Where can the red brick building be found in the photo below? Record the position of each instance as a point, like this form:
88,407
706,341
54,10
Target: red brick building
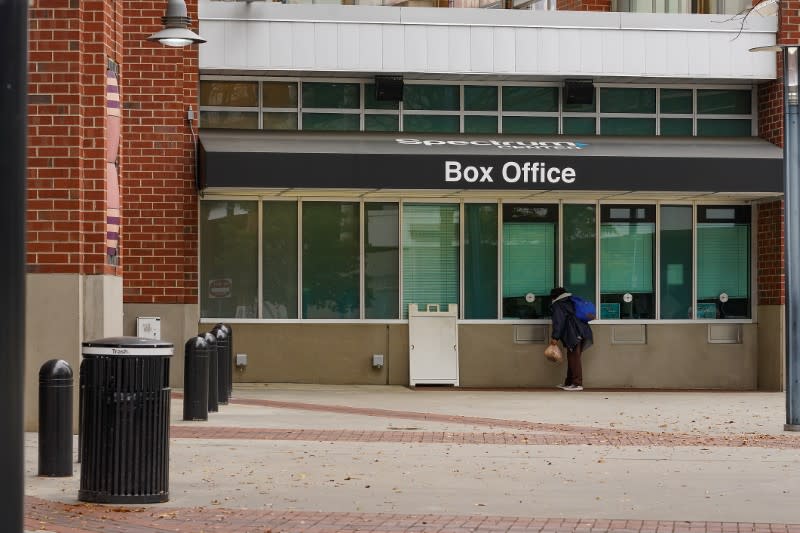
78,291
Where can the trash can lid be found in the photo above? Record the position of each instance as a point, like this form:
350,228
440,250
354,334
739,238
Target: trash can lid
127,346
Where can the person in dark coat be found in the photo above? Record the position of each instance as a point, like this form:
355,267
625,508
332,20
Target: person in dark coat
574,334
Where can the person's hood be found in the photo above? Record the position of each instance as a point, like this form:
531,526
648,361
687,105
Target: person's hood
562,296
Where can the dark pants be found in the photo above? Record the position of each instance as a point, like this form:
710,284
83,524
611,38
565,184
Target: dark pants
574,369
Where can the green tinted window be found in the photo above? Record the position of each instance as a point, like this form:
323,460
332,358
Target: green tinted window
724,128
627,246
280,121
229,119
279,94
634,100
229,93
279,262
529,259
431,123
530,98
330,122
676,127
331,260
381,123
434,97
430,255
370,102
331,95
480,261
723,262
579,249
577,108
228,259
578,125
381,260
676,261
480,124
480,98
627,126
533,125
676,101
724,102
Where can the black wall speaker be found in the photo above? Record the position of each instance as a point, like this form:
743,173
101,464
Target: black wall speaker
389,88
578,91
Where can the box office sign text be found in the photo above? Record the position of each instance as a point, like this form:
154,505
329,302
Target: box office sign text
528,172
511,172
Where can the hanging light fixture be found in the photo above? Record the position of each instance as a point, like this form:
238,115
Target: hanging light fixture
176,30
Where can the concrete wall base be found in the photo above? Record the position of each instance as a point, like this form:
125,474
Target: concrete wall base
61,311
771,348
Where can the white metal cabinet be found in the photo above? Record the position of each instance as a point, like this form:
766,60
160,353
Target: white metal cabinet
433,345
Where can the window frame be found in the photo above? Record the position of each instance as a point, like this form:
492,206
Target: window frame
560,114
485,198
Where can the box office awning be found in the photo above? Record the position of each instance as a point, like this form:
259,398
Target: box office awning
229,159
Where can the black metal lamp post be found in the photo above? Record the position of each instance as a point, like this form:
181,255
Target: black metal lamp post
13,98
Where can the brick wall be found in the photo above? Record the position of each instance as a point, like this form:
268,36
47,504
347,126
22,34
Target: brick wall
69,44
770,127
770,253
159,200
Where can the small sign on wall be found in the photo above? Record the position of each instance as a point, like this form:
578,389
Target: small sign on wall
148,327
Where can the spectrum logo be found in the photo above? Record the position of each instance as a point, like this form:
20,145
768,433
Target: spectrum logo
502,145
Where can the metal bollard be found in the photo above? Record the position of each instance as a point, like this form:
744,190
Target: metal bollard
223,364
213,390
229,330
55,419
195,379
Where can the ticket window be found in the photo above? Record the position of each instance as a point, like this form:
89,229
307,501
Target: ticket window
627,259
530,234
723,262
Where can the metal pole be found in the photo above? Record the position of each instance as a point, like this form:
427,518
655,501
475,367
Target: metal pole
13,98
791,217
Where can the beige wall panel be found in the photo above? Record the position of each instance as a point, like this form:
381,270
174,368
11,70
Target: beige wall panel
102,307
178,324
315,353
53,329
488,357
398,348
771,348
675,356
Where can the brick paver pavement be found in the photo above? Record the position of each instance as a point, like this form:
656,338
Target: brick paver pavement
59,517
65,518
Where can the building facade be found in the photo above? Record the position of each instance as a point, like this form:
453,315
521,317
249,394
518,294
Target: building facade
314,172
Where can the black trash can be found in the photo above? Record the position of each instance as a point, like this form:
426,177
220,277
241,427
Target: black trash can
195,379
124,446
55,419
223,364
213,370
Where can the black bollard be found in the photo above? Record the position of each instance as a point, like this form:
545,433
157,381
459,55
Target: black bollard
223,365
195,379
229,331
55,419
213,392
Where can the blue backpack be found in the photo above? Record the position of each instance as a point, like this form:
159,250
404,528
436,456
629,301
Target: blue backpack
584,309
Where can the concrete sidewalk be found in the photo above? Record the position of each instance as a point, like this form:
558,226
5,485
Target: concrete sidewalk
517,460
